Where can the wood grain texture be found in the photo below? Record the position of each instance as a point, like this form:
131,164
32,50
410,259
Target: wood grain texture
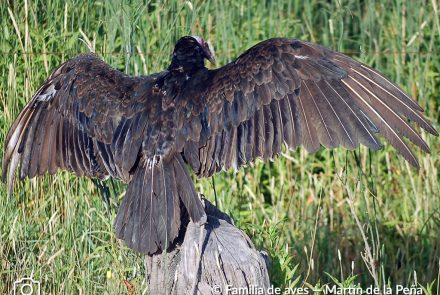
228,257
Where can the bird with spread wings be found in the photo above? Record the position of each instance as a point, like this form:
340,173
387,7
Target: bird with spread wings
95,121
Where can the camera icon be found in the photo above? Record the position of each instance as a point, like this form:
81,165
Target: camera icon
26,286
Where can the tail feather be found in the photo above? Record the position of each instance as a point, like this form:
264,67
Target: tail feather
187,192
150,216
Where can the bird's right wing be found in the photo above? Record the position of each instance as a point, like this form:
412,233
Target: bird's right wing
87,118
284,91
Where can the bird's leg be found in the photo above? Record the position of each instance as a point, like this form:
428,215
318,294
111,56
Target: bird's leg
104,192
215,192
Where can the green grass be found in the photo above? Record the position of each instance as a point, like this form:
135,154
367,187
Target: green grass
58,230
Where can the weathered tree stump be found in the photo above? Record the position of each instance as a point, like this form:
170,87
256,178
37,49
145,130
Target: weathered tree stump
214,258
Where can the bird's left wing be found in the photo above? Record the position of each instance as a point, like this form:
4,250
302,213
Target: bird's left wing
298,93
87,118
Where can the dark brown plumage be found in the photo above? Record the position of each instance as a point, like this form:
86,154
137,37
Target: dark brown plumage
96,121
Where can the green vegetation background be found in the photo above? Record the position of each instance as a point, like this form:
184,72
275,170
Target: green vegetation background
58,230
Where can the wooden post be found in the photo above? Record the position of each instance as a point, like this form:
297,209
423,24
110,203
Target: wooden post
214,258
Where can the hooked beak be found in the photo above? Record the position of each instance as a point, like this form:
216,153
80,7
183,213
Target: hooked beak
211,59
209,54
207,49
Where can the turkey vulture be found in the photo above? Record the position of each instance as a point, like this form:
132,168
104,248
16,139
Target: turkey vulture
95,121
